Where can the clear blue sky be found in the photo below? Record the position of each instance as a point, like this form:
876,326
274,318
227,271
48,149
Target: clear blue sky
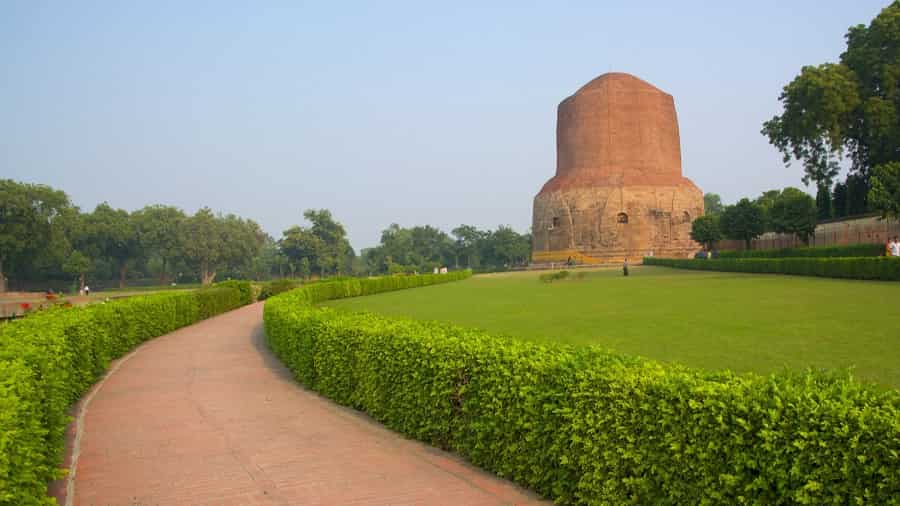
380,111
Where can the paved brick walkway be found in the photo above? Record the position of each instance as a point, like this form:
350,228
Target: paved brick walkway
206,415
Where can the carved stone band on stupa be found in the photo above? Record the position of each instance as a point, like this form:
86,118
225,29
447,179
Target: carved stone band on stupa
618,190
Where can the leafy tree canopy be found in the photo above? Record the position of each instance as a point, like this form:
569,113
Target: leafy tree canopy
824,205
706,231
29,225
743,221
115,237
885,193
298,245
712,204
765,202
794,212
336,254
422,248
160,231
850,108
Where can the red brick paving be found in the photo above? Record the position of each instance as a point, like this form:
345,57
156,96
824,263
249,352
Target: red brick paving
206,415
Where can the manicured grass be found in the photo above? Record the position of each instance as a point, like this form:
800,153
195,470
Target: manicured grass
743,322
152,288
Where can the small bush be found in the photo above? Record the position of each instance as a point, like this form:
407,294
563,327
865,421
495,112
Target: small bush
878,268
277,286
853,250
50,358
587,426
550,277
244,287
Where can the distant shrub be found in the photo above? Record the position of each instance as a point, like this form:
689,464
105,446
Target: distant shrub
550,277
277,286
50,358
853,250
878,268
242,286
587,426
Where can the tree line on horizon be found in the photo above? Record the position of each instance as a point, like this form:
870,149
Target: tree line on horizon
787,211
424,248
45,238
322,250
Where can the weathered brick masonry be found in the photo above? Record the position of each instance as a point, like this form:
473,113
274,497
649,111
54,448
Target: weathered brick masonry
618,189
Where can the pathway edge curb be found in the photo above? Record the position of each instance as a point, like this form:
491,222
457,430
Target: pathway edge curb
79,425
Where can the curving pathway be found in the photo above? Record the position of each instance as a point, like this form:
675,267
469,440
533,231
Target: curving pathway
206,415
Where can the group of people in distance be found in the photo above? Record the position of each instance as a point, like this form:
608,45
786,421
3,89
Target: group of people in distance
892,248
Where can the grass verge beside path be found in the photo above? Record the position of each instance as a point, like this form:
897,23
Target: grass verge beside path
711,320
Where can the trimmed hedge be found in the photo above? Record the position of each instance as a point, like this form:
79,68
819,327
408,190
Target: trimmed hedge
48,360
880,268
245,287
853,250
587,426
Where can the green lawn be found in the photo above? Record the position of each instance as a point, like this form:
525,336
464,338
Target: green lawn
743,322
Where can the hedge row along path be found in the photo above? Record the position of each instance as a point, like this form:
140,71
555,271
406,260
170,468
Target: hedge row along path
206,415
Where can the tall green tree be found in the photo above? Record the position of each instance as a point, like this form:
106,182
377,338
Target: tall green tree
706,231
336,253
466,247
204,243
82,249
712,204
794,212
824,207
79,265
301,246
269,261
221,243
857,194
839,199
765,202
160,231
29,219
393,252
431,247
241,242
509,247
743,221
304,268
850,108
115,236
885,193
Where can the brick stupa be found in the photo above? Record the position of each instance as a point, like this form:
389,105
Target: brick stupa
618,190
